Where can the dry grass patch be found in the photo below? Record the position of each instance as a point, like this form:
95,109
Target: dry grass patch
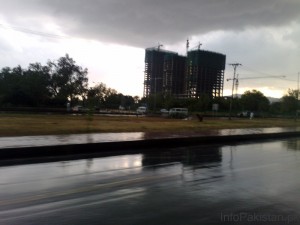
32,124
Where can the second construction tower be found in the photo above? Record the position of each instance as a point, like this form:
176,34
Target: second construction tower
199,73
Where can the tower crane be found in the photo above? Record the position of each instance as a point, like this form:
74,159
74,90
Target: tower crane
159,46
198,46
156,47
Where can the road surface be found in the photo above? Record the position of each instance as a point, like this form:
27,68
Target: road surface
252,183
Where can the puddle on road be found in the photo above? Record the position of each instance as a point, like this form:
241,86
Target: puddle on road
48,140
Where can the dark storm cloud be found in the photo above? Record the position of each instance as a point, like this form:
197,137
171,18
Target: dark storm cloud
144,22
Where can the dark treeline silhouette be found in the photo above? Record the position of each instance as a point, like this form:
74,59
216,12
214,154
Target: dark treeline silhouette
62,81
56,84
101,96
53,84
249,101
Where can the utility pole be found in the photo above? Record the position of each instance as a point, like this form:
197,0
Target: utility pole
297,96
298,87
235,65
236,85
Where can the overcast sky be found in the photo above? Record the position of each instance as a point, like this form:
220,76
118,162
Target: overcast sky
109,37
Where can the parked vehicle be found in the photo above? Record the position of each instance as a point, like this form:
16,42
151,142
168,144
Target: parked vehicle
79,108
141,110
164,111
244,114
178,112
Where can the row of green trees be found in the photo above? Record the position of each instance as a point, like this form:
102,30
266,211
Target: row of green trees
62,81
255,101
252,100
41,85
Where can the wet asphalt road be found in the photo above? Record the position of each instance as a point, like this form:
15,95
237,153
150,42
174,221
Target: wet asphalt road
253,183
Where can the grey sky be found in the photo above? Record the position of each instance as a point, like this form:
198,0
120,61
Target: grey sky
262,34
143,22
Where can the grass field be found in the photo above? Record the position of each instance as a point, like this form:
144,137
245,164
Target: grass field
37,124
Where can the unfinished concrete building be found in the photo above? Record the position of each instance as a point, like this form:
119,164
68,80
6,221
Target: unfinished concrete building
157,61
205,74
173,77
200,73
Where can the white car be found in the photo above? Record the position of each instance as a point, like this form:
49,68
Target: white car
164,111
178,112
141,110
77,108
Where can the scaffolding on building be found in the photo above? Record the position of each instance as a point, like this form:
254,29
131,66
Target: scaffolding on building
173,77
154,70
199,73
205,74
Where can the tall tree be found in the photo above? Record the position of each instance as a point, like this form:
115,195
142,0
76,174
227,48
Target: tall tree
255,101
289,102
68,80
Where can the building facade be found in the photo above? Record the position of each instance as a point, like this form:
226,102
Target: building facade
174,75
205,74
198,73
154,70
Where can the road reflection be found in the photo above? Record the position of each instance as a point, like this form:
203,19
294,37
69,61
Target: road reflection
292,144
192,156
186,185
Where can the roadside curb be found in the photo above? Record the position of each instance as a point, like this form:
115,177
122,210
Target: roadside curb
77,150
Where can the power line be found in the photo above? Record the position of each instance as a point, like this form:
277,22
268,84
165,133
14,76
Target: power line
262,73
280,77
265,77
277,76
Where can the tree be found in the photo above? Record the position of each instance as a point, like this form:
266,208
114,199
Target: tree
200,104
293,93
12,90
127,101
254,101
68,80
223,103
96,95
36,81
57,82
136,99
113,101
24,87
289,102
276,107
100,94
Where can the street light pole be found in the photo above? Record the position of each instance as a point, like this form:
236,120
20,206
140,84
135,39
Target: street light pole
297,96
154,108
298,87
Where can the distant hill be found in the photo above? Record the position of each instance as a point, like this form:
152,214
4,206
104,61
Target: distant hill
271,99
